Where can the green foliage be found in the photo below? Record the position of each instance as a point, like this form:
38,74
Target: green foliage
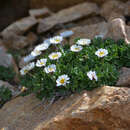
76,65
5,95
6,74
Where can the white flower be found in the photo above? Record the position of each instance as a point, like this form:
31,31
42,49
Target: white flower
24,70
47,41
84,42
31,65
101,52
56,40
39,48
27,68
92,75
50,68
36,52
42,47
76,48
55,55
41,62
62,80
28,58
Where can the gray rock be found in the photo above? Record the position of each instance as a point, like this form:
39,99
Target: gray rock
117,30
10,87
113,9
20,26
124,78
18,42
6,59
127,8
39,13
89,31
68,15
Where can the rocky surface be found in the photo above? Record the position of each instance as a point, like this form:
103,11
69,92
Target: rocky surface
68,15
39,13
10,87
11,11
6,59
124,79
61,4
127,8
15,41
54,5
117,30
20,26
105,108
89,31
112,9
128,32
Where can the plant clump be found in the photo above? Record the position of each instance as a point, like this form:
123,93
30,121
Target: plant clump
85,65
5,95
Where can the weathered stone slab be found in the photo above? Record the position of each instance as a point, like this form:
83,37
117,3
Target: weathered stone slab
9,86
18,42
68,15
124,78
89,31
113,9
105,108
117,29
20,27
6,59
127,8
39,13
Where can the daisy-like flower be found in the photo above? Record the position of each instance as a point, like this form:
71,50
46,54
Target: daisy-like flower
47,41
55,55
84,42
51,68
31,65
92,75
28,58
101,52
76,48
42,47
24,70
36,52
41,62
56,40
62,80
27,68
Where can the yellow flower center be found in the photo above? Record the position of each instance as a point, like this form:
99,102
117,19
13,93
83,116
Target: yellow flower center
54,56
37,52
50,69
62,81
25,71
83,43
76,48
101,53
42,63
57,40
